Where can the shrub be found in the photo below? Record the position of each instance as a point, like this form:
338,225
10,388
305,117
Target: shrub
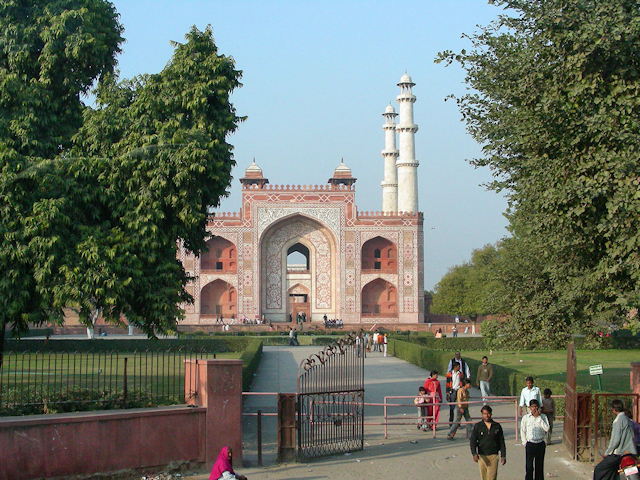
448,344
207,344
505,382
250,361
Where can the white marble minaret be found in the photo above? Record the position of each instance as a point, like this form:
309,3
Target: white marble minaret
390,154
407,163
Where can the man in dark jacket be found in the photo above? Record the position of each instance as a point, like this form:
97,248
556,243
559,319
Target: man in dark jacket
487,445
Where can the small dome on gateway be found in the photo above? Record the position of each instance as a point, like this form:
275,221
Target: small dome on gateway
342,170
389,109
253,170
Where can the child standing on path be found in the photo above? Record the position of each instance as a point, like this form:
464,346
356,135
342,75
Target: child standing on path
549,409
421,402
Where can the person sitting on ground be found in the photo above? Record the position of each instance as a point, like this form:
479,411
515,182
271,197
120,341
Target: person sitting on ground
222,469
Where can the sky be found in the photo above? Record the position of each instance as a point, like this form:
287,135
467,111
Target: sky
317,76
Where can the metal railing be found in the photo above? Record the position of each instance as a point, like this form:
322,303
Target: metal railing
604,417
55,382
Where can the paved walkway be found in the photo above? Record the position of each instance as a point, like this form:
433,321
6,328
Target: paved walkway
406,452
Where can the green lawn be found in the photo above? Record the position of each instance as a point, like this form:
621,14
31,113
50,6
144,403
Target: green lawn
552,365
157,372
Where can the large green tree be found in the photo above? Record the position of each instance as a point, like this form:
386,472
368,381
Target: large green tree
51,53
555,103
95,223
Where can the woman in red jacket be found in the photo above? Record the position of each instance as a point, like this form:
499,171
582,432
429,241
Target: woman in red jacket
434,392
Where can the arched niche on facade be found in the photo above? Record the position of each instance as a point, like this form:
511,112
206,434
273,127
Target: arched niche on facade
298,257
295,234
379,299
221,256
298,301
379,255
219,298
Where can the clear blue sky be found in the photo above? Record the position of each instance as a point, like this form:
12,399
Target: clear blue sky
317,77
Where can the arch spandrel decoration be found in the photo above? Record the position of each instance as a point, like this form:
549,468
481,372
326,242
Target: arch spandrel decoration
230,278
321,249
299,289
389,277
328,216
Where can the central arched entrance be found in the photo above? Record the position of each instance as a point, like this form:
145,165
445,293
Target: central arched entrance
298,254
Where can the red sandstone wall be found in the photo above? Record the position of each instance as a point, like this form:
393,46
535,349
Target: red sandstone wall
90,442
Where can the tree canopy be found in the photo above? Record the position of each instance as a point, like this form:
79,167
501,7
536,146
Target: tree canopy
554,101
469,289
95,202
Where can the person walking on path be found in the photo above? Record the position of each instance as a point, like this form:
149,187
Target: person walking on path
462,410
533,431
375,341
549,409
291,343
483,380
434,392
529,393
622,441
452,385
464,366
487,445
385,342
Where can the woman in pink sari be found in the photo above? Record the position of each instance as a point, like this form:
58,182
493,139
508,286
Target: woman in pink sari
434,392
222,469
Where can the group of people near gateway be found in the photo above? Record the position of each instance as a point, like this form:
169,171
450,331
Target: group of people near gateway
486,438
367,342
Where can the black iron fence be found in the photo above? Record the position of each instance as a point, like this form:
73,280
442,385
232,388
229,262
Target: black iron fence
55,382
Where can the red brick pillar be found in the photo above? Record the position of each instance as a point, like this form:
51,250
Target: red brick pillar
635,377
217,386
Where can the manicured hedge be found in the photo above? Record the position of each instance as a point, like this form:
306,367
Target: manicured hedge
505,382
209,345
623,342
250,361
34,332
449,344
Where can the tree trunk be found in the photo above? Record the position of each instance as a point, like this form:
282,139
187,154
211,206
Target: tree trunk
2,345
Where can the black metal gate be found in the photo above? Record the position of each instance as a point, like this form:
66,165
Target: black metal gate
331,400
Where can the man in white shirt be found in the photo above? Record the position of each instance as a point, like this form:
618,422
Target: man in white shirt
529,393
533,431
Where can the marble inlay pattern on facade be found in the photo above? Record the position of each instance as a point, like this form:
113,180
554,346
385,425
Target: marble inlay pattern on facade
329,216
392,278
274,268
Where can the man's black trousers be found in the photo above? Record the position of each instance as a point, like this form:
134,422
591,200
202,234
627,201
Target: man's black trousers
535,460
607,469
